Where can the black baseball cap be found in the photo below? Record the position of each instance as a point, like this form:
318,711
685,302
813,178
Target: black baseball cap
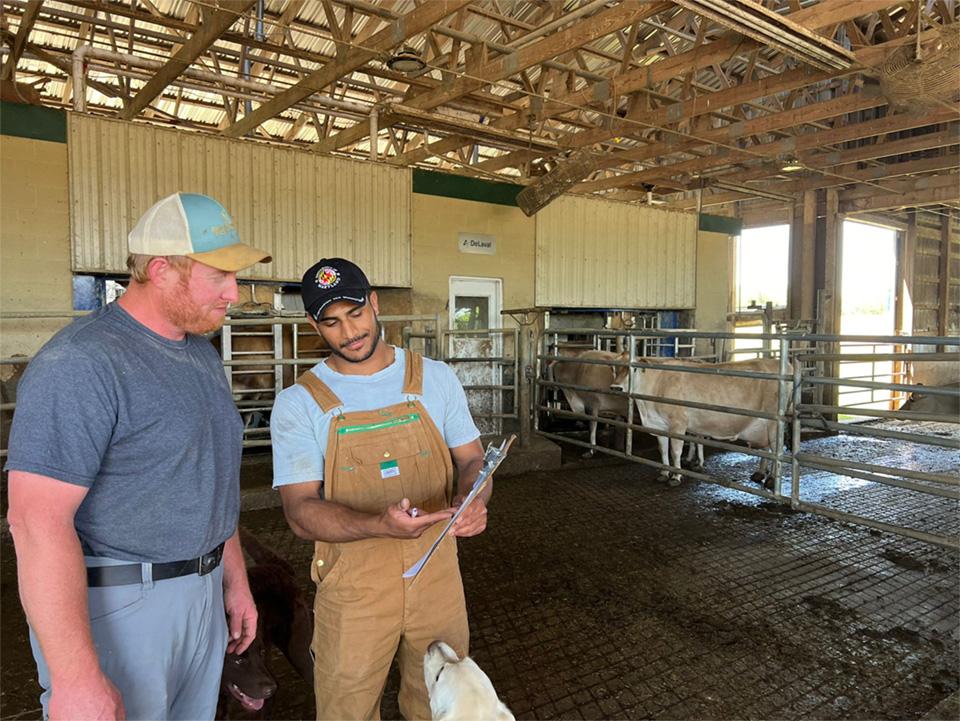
332,279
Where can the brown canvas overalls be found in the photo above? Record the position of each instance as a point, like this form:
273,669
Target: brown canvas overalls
364,610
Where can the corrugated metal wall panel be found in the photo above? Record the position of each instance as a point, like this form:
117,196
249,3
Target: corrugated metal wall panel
297,205
599,254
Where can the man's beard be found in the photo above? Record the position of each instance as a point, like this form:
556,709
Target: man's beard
187,315
376,341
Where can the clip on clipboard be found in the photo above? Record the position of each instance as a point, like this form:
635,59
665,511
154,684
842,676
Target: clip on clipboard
491,459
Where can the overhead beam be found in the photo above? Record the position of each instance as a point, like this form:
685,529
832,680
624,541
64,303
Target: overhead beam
729,133
215,23
595,27
63,64
689,109
727,156
823,15
20,41
876,173
413,23
911,193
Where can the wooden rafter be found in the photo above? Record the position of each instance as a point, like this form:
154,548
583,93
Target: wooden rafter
215,23
823,15
413,23
20,41
602,24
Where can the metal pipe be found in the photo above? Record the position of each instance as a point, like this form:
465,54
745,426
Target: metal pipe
655,464
900,415
797,437
88,51
881,433
781,412
181,83
878,471
948,541
544,29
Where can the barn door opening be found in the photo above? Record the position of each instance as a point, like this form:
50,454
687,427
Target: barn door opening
473,351
867,307
762,269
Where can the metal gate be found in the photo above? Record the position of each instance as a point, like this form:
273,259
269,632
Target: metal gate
486,362
813,364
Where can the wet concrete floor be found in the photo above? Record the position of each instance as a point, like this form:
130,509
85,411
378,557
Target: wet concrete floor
599,593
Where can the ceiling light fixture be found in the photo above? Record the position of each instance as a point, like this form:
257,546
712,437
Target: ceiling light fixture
791,165
406,60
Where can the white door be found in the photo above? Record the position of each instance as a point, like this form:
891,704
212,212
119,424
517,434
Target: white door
474,308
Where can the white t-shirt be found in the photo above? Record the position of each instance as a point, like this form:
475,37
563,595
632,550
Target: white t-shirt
298,426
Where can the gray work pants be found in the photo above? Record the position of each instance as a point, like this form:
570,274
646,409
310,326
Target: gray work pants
160,643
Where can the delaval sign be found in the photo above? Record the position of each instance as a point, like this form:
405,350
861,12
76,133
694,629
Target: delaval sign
475,243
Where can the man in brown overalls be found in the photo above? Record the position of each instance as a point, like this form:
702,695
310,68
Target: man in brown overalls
362,448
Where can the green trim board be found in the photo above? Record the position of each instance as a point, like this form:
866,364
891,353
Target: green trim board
42,123
448,185
720,224
33,121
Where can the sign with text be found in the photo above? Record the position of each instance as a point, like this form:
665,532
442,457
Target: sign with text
476,243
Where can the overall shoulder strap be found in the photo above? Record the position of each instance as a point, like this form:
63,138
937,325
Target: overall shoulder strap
413,374
325,398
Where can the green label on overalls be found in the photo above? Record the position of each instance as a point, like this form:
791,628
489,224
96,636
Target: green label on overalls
389,469
398,421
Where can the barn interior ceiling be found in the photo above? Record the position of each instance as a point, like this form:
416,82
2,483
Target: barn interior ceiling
682,103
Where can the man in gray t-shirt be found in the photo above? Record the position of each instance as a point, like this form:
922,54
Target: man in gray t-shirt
123,487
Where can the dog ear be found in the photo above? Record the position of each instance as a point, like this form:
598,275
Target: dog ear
503,713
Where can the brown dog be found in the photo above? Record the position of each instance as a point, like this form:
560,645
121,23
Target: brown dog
285,622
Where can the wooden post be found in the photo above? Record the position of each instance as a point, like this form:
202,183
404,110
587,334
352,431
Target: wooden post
833,250
943,294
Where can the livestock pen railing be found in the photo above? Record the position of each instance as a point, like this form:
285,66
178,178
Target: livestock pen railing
487,364
798,471
263,354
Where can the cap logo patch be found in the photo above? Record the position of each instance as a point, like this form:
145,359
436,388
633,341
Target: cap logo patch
327,277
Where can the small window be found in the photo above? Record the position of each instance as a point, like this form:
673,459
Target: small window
471,313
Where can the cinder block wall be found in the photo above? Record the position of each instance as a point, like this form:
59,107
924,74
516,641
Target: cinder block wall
34,241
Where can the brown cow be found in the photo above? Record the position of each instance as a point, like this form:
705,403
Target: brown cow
568,371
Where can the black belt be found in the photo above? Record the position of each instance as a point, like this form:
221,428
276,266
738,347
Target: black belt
132,572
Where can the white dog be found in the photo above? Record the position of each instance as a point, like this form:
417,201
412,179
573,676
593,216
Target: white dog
459,690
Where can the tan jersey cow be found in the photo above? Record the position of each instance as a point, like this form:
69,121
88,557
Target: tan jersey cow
600,377
727,391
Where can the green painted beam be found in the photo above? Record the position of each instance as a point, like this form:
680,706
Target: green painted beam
720,224
33,121
429,182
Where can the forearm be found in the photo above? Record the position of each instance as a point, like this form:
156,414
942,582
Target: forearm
318,520
53,592
467,475
234,567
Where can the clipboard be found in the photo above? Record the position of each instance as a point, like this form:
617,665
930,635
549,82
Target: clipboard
492,458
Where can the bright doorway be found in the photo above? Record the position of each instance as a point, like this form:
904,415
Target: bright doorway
867,307
762,270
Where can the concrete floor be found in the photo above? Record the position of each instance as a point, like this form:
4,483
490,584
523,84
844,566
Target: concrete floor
598,592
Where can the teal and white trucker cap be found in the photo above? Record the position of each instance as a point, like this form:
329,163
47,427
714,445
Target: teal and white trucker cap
196,226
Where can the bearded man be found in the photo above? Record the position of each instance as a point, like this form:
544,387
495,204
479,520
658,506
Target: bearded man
124,490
